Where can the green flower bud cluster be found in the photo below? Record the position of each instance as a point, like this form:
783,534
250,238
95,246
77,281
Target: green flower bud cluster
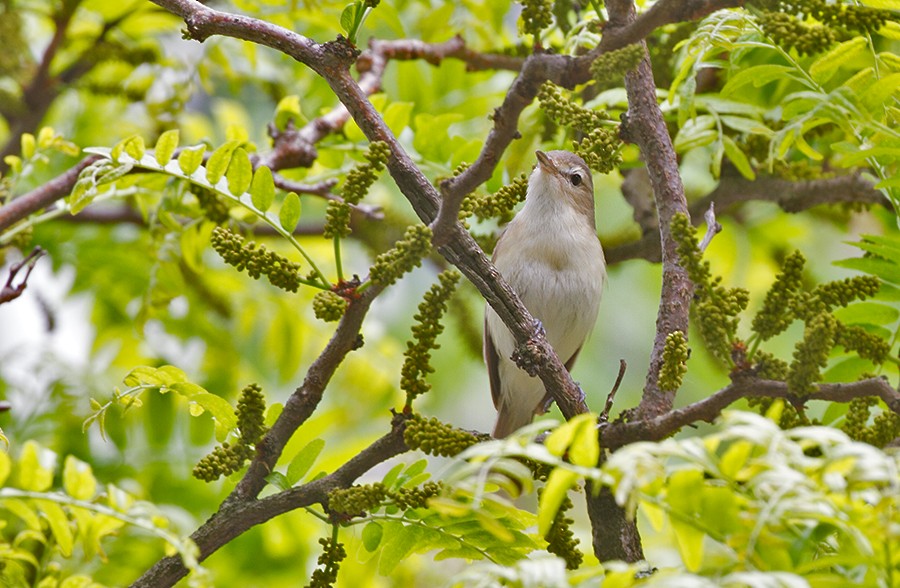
811,354
885,428
856,421
251,409
282,272
769,367
843,292
565,112
405,255
600,149
609,68
213,208
865,344
333,553
226,458
417,357
674,361
409,498
715,307
360,499
357,500
776,313
497,205
329,306
600,143
356,186
834,14
789,32
536,16
436,438
561,541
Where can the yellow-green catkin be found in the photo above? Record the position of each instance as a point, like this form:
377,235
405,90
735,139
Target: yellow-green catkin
674,362
599,144
417,358
609,69
329,306
497,205
228,458
436,438
777,311
811,354
404,256
536,16
333,553
281,272
561,541
356,186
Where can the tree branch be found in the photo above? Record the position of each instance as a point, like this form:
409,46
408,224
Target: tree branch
659,427
235,518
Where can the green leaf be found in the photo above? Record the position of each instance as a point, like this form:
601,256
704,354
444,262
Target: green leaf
132,146
278,480
371,536
220,409
289,110
397,546
759,75
349,17
824,68
35,467
884,269
289,214
304,460
873,313
397,115
166,146
190,158
59,525
558,485
78,479
262,189
240,172
5,467
585,448
218,162
738,158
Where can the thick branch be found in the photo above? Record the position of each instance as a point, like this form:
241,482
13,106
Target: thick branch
304,400
659,427
235,518
43,196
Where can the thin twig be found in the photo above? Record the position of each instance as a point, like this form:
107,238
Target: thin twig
10,291
604,416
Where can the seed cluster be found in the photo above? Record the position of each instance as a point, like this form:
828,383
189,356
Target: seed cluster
235,251
417,357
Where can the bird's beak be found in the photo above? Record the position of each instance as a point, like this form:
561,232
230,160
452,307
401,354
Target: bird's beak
545,162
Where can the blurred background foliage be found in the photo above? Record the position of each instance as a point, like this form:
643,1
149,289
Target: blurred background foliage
112,296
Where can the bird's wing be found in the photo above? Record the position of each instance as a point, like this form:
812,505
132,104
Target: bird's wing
492,361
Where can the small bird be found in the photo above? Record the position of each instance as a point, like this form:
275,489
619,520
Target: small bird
551,256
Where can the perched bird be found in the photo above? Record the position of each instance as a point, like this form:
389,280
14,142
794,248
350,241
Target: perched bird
551,256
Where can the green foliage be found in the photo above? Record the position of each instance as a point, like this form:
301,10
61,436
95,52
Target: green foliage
58,521
740,500
417,357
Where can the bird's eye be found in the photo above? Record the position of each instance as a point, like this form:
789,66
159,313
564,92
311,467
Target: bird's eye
575,179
